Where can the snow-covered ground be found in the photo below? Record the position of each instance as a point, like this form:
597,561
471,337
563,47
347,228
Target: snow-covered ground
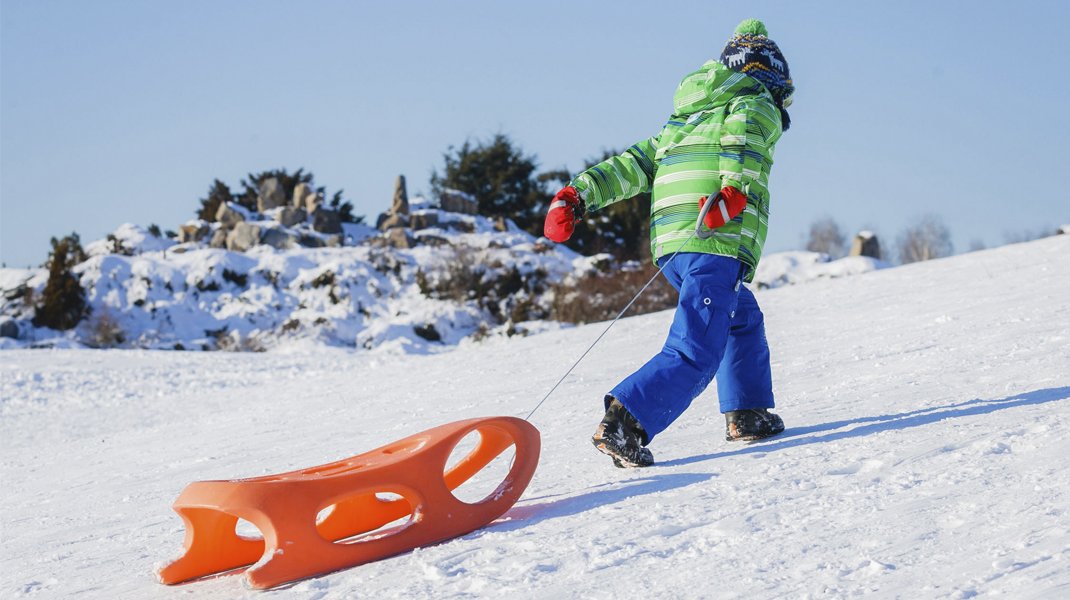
928,409
799,266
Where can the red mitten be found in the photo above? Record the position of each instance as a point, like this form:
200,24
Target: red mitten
561,218
730,202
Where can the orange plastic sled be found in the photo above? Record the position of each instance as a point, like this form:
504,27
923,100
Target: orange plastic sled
368,491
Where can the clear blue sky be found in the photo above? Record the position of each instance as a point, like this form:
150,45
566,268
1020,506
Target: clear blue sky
126,111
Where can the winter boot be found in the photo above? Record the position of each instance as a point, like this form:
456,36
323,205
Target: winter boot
622,437
751,424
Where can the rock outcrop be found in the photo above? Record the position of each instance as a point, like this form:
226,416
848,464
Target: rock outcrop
458,202
398,215
219,239
279,239
326,221
306,198
243,237
271,195
290,216
229,215
424,220
193,232
866,244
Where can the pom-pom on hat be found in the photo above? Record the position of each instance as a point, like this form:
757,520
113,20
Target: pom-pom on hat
750,51
751,27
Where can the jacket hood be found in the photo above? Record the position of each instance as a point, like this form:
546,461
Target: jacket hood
714,85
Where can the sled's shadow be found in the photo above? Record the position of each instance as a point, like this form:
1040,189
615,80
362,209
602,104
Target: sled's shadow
519,517
801,436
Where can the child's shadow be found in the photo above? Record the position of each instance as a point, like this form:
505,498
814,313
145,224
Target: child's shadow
800,436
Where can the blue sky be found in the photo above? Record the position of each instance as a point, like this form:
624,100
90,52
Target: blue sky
115,112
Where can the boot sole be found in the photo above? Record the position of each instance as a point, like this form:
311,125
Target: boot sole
618,460
752,438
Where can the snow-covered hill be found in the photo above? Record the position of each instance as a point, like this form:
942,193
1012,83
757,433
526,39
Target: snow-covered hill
928,409
789,268
465,277
155,294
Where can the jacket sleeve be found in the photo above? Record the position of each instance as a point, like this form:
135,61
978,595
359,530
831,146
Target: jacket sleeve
748,136
619,177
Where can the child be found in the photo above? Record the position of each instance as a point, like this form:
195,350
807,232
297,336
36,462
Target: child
728,115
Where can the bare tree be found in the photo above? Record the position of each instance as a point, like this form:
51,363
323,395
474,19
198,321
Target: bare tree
1017,237
927,239
825,236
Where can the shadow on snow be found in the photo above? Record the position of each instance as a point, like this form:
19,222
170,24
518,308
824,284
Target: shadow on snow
530,514
801,436
610,493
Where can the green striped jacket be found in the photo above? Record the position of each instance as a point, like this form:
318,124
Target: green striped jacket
722,133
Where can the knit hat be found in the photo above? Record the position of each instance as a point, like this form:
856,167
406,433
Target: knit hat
750,51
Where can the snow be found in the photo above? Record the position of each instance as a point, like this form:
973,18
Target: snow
130,239
148,292
927,408
160,295
11,278
790,268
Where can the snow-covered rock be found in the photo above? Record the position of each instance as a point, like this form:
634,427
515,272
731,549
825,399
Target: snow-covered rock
272,195
456,201
128,239
865,243
459,279
230,214
288,216
243,237
305,198
417,291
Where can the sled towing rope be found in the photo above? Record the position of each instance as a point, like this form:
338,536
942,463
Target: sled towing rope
701,232
331,517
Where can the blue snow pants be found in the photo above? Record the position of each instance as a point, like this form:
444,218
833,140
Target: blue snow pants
718,330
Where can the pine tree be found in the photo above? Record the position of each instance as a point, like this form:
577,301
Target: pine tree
63,303
218,194
344,208
498,175
621,229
